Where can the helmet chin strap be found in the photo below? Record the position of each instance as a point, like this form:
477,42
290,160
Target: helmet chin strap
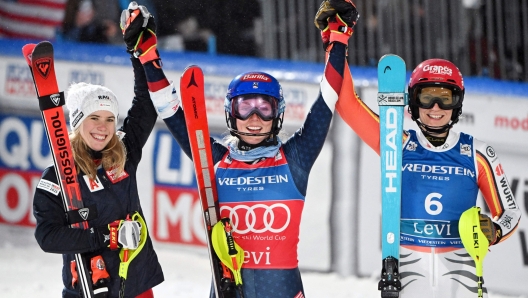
241,133
246,146
434,129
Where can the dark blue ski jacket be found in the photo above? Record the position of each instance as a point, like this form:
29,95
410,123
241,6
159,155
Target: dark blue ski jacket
113,202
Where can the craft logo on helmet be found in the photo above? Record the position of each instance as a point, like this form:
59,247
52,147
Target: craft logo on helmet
437,69
256,77
258,218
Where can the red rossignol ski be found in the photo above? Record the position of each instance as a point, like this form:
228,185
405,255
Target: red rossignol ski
193,101
41,63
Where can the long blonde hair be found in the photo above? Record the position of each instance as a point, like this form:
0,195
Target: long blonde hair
114,155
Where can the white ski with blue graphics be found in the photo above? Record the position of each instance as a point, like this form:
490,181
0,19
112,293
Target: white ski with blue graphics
391,101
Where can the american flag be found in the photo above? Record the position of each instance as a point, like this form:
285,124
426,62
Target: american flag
33,19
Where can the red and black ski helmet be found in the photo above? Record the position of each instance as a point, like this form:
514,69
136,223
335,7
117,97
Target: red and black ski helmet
436,73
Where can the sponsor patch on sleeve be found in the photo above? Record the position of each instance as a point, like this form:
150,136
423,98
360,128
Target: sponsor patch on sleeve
49,186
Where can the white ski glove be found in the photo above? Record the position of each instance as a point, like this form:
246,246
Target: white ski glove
165,101
123,234
129,233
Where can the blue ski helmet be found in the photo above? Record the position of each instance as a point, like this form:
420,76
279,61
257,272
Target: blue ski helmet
254,83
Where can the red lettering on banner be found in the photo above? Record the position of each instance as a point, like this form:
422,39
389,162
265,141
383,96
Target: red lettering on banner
178,216
16,196
511,122
20,88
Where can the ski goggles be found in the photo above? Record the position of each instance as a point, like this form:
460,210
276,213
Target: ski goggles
248,104
446,98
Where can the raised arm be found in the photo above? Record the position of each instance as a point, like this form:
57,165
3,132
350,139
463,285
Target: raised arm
139,34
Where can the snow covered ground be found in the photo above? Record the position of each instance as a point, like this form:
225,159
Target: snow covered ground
26,271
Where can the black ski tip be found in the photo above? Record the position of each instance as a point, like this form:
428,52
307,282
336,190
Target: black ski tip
43,48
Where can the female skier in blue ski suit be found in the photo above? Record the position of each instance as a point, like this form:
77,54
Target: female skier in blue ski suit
442,173
262,178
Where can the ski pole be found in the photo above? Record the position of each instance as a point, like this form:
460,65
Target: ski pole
128,255
231,255
474,241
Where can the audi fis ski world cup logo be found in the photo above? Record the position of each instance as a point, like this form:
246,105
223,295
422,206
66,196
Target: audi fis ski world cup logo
259,218
43,66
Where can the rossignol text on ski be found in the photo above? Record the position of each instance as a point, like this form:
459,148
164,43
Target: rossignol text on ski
40,59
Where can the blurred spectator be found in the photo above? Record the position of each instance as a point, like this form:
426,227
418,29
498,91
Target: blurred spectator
31,19
181,26
230,22
92,21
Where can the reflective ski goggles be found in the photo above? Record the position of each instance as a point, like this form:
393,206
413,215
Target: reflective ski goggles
446,98
248,104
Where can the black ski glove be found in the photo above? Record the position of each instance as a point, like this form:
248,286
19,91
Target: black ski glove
491,230
139,32
336,20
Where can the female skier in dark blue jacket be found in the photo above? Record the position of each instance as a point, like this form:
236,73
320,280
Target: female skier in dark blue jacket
261,177
107,161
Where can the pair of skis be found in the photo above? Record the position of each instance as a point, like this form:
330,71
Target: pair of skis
225,255
41,63
40,60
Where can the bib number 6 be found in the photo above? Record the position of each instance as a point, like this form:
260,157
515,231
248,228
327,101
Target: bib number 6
432,203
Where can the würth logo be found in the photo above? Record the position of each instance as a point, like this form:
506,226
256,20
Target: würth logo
43,66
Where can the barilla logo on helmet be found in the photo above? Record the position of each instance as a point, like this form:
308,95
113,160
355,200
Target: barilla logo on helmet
256,77
437,69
